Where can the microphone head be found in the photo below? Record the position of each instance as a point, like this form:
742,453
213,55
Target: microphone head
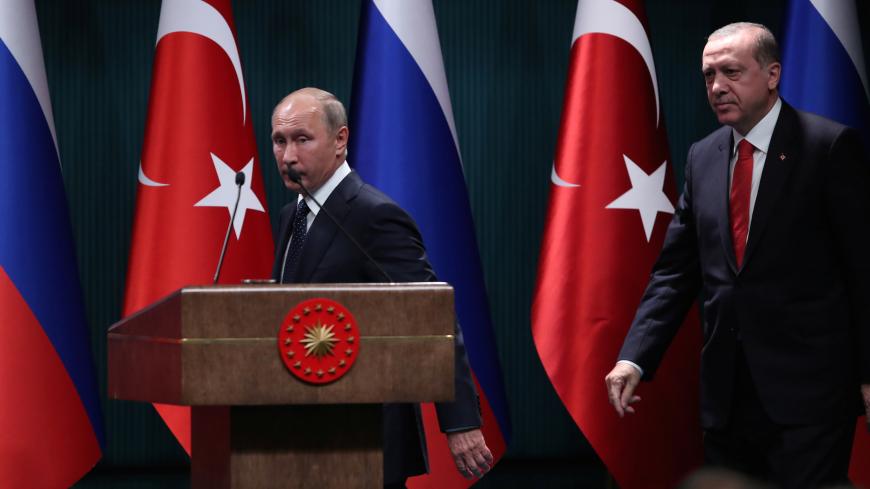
294,175
240,178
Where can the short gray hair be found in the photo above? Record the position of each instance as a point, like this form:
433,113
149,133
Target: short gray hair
334,114
766,47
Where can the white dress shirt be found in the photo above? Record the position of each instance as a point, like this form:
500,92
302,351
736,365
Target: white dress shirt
759,136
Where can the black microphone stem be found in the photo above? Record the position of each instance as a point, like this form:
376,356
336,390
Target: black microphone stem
239,182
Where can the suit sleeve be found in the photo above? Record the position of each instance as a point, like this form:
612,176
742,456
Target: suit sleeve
848,208
395,243
674,284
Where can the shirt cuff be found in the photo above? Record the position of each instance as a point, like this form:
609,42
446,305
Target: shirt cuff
636,366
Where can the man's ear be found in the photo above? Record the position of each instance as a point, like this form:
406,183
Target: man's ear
341,141
774,70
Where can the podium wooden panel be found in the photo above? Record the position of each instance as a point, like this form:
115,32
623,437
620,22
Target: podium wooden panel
254,425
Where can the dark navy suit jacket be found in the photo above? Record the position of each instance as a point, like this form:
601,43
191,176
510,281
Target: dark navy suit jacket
800,302
391,237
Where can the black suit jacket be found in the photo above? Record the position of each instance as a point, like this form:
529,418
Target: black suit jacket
391,237
799,302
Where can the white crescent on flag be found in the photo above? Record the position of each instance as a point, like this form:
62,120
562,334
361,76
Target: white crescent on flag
614,19
198,17
556,179
144,180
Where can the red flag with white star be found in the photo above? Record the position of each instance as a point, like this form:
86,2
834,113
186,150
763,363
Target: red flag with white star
199,133
611,200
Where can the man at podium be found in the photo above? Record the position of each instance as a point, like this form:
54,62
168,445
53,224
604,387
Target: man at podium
309,141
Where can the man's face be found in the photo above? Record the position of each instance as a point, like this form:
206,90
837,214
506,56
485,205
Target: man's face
739,89
301,140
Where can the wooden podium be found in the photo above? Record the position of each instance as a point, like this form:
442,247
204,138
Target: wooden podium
253,424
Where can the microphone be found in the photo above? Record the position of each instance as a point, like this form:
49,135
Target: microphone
296,178
240,180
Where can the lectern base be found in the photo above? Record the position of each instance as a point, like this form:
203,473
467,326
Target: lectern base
312,446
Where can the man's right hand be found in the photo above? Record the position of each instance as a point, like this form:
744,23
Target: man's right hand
621,383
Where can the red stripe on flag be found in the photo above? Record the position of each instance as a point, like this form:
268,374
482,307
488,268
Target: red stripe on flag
46,438
442,470
177,419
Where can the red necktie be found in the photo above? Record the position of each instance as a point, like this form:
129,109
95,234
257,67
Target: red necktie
741,188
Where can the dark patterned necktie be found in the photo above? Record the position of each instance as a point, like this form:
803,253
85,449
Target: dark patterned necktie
297,241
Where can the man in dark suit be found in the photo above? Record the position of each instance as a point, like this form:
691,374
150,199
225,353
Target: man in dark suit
310,135
773,229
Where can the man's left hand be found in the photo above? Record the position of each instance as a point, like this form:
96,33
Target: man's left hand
865,393
472,457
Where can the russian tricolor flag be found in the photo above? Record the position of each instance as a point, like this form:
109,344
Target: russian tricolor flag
824,72
405,144
823,66
50,424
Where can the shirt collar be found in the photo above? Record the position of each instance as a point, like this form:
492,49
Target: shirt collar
761,134
325,190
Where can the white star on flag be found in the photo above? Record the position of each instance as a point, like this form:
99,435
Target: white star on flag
646,195
225,194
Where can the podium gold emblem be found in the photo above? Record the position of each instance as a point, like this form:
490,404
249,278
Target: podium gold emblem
318,341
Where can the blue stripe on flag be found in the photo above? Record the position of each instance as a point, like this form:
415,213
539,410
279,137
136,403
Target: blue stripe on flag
402,144
818,75
37,245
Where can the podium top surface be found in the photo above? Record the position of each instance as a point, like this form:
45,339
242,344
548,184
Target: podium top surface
245,311
218,345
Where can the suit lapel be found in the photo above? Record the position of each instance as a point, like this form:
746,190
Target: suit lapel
323,230
722,184
777,168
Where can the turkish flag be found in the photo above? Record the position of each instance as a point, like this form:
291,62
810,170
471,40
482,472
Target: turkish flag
611,200
199,133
